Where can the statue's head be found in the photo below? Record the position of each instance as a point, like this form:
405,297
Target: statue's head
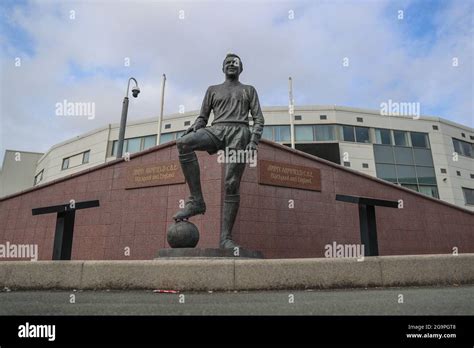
232,65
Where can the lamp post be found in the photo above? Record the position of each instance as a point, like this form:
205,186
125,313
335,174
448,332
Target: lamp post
123,120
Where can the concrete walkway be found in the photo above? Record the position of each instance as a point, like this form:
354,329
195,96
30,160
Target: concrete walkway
238,274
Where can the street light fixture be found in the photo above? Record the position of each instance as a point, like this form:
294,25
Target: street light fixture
123,120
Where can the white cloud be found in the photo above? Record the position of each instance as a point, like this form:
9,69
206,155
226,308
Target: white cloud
385,63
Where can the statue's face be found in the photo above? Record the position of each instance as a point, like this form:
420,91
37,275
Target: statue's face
232,66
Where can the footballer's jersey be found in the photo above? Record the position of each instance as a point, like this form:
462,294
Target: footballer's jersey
231,102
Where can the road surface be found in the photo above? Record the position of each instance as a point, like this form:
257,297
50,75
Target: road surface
457,300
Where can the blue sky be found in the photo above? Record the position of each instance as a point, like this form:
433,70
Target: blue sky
82,59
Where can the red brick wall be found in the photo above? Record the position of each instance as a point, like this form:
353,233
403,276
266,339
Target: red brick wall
423,226
138,218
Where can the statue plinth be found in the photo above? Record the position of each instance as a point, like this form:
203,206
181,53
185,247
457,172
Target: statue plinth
236,253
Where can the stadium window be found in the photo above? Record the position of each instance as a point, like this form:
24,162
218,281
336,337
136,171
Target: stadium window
304,133
324,132
468,195
463,148
419,139
348,133
166,137
133,145
383,136
149,141
400,138
267,132
85,157
282,133
431,191
65,164
362,134
38,177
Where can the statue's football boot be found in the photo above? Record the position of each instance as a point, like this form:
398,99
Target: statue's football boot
192,207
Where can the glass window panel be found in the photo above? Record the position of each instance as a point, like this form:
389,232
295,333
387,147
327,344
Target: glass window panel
429,191
304,133
423,157
325,132
114,148
400,138
362,134
457,146
403,155
164,138
133,145
39,177
383,154
65,163
282,133
267,132
419,139
386,172
468,195
382,136
411,187
406,174
149,141
426,175
348,133
125,144
85,157
466,149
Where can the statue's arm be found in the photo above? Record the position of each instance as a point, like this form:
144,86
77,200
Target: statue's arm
206,107
257,115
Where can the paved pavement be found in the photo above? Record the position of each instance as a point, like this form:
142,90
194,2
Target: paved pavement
416,301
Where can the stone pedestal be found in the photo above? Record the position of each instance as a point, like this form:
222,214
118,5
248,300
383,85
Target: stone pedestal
241,253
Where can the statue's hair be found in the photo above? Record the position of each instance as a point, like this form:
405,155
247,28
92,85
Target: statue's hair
236,56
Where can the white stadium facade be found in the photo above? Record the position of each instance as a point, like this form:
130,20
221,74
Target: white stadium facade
431,155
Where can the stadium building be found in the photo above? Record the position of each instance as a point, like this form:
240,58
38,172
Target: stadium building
430,155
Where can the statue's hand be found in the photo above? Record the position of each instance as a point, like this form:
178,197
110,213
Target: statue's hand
252,146
189,130
197,125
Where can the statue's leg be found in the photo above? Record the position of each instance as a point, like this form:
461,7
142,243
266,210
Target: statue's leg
233,175
187,144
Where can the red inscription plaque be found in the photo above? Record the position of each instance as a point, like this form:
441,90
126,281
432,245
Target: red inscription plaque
289,175
155,174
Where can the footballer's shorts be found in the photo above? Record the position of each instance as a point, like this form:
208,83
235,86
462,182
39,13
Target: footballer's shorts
228,135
